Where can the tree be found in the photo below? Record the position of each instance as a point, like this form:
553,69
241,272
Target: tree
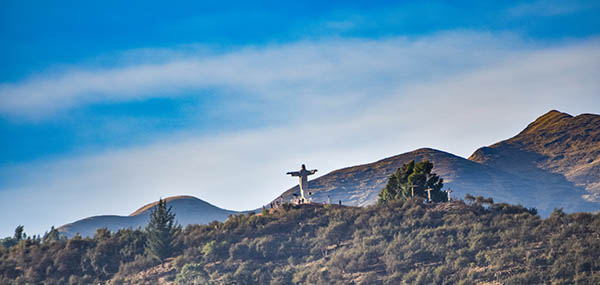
415,177
52,235
161,231
19,233
18,236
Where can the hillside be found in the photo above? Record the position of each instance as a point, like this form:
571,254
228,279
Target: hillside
188,209
548,165
401,242
554,147
359,185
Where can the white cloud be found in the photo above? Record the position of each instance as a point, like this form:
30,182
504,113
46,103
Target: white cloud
442,92
323,69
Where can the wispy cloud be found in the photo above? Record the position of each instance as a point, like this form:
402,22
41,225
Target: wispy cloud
452,92
317,69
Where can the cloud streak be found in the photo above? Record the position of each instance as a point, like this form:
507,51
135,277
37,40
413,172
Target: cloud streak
315,69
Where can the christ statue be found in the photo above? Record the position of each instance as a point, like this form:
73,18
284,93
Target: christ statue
303,176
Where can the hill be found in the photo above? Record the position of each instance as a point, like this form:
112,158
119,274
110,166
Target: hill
557,148
188,210
359,185
548,165
400,242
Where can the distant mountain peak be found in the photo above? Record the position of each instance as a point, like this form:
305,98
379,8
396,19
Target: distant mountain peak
546,121
553,113
168,199
187,210
556,146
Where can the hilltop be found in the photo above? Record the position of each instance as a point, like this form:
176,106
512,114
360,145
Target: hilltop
556,147
189,210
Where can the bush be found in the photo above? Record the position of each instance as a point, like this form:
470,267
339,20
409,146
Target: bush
140,263
193,273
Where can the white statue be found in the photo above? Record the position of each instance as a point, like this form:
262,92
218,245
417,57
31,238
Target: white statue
303,176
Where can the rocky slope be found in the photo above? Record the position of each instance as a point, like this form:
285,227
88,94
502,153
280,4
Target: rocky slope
187,209
555,147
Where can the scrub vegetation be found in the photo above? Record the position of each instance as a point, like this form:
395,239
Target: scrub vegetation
400,241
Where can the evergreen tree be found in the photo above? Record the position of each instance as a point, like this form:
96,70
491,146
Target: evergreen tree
19,233
52,235
18,236
415,177
161,232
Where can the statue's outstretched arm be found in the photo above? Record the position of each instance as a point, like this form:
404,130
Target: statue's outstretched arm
293,173
313,171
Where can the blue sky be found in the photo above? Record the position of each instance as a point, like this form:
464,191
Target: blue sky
105,106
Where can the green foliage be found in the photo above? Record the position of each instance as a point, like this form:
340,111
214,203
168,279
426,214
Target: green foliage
397,242
162,232
19,233
413,177
52,235
11,241
193,273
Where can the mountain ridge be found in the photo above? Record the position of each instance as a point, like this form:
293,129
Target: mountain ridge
509,173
